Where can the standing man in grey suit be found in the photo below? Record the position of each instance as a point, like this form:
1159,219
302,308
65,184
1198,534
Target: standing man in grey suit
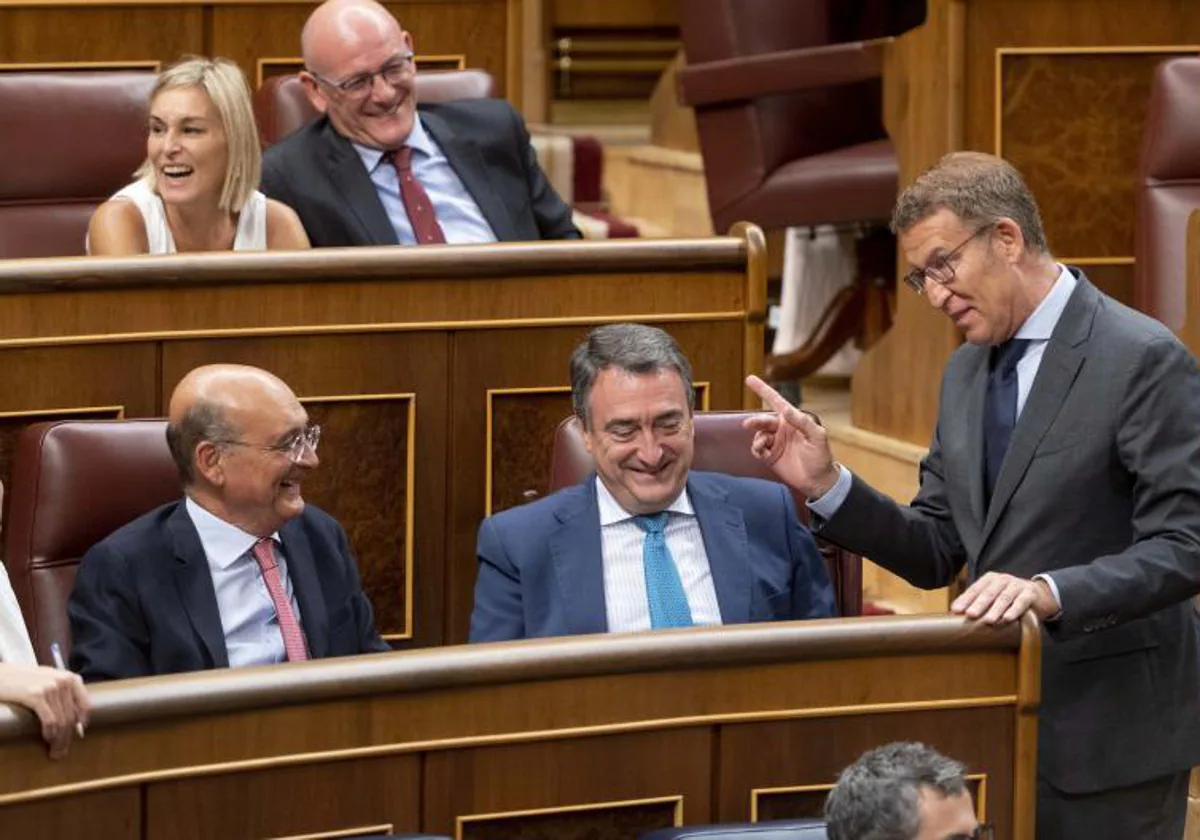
1064,473
379,169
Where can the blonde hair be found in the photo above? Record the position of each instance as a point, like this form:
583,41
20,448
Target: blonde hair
226,86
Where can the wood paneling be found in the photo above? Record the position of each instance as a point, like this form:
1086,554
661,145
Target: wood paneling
56,34
115,814
288,801
521,424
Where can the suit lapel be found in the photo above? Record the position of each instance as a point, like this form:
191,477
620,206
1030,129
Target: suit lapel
976,396
724,531
1061,360
467,162
302,570
350,179
575,550
194,582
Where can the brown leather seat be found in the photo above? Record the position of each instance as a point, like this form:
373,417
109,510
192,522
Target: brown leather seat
73,484
69,141
722,446
281,105
1168,190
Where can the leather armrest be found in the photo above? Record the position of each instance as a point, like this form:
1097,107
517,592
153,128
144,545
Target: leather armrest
739,79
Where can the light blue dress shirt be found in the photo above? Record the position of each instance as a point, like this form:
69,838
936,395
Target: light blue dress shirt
460,217
1037,328
248,619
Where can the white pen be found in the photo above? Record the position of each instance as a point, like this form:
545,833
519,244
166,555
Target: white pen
56,652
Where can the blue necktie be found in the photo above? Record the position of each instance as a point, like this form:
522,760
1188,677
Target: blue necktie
1000,410
664,590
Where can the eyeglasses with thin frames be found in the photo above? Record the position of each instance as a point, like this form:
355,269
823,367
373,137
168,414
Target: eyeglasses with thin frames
293,447
941,269
395,72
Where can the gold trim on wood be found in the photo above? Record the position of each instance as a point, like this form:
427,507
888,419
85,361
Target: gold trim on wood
397,326
103,411
1097,260
357,831
409,500
525,737
571,809
704,389
756,793
79,66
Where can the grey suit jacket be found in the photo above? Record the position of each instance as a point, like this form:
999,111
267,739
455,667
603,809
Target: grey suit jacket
317,172
1100,488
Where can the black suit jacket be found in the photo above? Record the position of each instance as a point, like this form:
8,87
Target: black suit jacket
317,173
1101,490
144,601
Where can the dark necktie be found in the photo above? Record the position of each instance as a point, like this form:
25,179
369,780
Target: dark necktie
1000,410
417,205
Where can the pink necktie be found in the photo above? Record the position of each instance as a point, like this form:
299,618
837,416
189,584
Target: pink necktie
293,633
417,205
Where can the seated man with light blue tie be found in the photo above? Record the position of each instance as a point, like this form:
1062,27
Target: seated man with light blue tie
644,543
240,571
378,169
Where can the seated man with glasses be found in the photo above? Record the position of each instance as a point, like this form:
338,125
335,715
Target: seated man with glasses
903,791
240,571
378,169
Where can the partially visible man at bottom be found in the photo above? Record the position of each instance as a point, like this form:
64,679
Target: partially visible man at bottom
240,571
903,791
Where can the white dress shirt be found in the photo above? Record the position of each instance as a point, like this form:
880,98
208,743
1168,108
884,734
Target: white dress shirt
248,619
14,638
1037,329
621,541
460,217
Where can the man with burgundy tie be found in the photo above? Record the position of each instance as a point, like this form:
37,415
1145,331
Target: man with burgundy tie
1064,475
646,542
378,169
240,571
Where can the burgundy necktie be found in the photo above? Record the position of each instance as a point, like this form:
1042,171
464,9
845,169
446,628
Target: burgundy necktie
293,634
420,210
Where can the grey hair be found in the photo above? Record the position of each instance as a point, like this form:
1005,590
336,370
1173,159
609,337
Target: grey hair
203,421
635,348
978,188
876,797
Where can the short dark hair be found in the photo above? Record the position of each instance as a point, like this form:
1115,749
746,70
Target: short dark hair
978,188
202,421
636,348
876,797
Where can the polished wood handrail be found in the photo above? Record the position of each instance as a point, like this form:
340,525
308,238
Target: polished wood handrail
524,661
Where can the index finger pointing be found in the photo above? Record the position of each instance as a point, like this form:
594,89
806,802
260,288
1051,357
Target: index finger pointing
768,395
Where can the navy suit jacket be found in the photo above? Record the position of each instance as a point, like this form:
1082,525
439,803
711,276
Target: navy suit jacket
541,571
144,601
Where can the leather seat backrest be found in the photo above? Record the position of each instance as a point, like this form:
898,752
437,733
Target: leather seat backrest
281,106
1168,190
798,829
68,140
74,483
723,446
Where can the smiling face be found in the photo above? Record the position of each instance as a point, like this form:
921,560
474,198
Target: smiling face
984,297
640,436
186,147
357,40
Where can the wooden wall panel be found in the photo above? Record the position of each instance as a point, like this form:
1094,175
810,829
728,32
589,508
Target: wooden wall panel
363,478
538,358
110,814
287,801
521,424
484,792
759,762
57,35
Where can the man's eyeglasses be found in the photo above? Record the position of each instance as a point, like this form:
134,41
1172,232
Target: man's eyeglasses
293,446
941,269
395,72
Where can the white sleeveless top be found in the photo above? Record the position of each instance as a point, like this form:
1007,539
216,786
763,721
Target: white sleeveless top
251,229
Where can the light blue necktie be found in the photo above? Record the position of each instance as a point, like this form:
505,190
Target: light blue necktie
664,590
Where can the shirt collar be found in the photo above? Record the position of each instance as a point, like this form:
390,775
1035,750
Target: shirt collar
223,543
418,138
1040,325
611,511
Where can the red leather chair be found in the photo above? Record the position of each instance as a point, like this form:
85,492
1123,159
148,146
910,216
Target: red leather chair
723,446
69,141
74,483
281,105
1168,190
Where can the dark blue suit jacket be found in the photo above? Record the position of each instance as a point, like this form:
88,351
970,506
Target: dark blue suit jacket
144,601
541,569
